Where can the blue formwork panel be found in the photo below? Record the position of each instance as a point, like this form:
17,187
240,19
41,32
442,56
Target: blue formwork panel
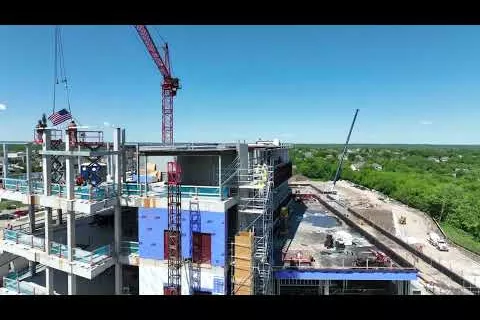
152,222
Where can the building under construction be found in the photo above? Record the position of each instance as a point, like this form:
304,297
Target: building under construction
109,217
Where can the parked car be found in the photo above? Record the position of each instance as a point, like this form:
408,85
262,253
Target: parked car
20,213
6,216
437,241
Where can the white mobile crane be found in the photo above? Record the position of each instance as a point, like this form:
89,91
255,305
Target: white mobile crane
332,190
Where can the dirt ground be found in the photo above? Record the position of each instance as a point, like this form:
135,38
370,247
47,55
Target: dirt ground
387,212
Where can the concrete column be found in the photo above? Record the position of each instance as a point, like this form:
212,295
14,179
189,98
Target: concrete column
118,239
79,162
48,239
31,207
71,240
69,173
326,288
5,161
48,228
28,155
59,217
146,182
220,174
123,160
49,280
71,243
117,138
138,159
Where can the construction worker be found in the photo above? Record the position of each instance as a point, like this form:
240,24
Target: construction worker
79,181
72,133
40,129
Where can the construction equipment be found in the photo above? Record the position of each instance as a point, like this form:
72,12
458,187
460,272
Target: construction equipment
342,157
174,229
170,84
379,259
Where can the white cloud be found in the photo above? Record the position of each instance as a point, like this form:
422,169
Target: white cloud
426,122
3,106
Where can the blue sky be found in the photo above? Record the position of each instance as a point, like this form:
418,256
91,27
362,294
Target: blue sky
412,84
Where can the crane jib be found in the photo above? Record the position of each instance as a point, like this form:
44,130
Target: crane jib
152,49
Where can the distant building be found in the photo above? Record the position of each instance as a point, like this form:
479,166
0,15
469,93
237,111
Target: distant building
444,159
357,166
377,167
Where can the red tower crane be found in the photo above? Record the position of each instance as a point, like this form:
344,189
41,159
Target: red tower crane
170,84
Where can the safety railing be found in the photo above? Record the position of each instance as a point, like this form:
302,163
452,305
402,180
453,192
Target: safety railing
22,288
90,193
135,189
109,191
95,257
24,239
55,135
129,247
89,138
57,249
12,184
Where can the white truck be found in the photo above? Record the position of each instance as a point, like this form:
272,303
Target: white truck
437,241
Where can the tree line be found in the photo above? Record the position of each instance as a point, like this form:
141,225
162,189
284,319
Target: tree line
446,189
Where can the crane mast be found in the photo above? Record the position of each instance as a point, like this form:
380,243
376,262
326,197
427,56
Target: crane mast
170,84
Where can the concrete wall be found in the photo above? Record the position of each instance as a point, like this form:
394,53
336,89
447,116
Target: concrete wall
153,275
199,170
152,222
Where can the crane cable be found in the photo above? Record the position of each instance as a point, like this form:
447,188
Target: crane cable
60,63
169,67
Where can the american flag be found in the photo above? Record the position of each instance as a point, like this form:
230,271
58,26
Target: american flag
60,117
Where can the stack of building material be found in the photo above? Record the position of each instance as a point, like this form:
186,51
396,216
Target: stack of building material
242,262
151,175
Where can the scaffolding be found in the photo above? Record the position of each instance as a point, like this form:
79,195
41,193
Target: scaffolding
195,226
57,167
92,140
256,186
174,229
